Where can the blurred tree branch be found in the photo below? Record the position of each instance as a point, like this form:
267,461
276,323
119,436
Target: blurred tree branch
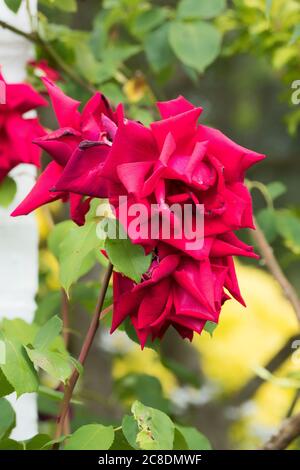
288,431
271,262
251,387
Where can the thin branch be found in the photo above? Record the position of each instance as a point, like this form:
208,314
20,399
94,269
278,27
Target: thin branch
293,404
251,387
275,269
83,353
288,431
35,38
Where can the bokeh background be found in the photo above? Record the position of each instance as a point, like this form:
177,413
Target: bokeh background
219,383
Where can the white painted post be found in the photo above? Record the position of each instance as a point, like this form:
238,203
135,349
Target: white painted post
18,236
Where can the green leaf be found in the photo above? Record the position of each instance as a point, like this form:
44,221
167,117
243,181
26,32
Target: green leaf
5,387
196,44
120,442
276,189
69,6
58,234
77,253
148,20
130,430
267,221
91,437
47,307
7,418
210,327
8,189
179,441
194,439
144,388
38,442
55,363
55,395
288,225
47,333
127,258
200,9
10,444
18,329
18,369
157,48
13,5
156,430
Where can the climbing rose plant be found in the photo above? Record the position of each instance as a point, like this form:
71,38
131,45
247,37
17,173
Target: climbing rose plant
99,153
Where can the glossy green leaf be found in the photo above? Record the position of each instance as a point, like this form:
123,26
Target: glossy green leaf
77,253
47,333
157,48
288,225
194,439
210,327
11,444
127,258
38,442
130,430
13,5
91,437
276,189
197,44
58,234
267,221
54,363
18,369
200,9
156,430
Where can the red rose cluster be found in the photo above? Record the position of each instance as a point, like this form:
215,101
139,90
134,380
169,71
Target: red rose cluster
99,153
17,131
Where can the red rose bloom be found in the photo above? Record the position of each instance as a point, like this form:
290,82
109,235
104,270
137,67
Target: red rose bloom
17,131
95,124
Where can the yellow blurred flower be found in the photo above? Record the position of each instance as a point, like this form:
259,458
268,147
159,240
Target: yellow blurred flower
135,88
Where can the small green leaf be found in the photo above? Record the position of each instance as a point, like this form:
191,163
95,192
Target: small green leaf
38,442
13,5
130,430
8,189
148,20
179,441
91,437
18,369
200,9
288,225
210,327
47,333
127,258
156,430
267,221
157,48
77,253
276,189
7,418
54,363
10,444
197,44
18,329
194,439
58,234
